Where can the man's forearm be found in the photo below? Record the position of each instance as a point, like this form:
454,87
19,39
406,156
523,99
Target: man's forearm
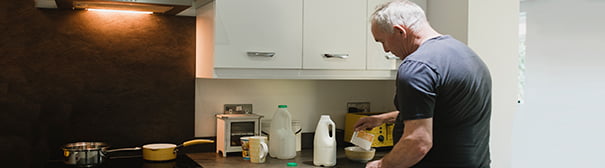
388,117
405,154
413,146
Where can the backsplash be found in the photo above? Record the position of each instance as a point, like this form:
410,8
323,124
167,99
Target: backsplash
74,75
307,100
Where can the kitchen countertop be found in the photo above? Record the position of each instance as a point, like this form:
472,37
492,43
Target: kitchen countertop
303,158
135,161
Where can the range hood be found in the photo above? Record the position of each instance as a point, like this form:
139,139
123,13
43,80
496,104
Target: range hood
169,7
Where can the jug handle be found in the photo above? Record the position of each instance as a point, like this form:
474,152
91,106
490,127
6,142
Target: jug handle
333,129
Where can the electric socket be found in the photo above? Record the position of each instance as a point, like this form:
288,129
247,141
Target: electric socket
356,107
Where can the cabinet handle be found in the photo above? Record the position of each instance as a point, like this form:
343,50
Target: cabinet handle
261,54
391,57
341,56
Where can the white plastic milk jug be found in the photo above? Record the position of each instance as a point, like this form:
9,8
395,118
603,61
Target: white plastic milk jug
282,142
324,145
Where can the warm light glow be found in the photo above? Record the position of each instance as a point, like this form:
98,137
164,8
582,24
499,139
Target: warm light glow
121,11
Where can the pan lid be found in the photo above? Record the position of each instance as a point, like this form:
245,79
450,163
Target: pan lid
82,146
159,146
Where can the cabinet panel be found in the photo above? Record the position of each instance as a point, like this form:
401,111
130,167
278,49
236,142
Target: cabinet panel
267,26
376,57
334,27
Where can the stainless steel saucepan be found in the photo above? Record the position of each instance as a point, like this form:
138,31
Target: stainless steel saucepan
89,154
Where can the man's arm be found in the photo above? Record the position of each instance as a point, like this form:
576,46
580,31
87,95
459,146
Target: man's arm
416,142
370,122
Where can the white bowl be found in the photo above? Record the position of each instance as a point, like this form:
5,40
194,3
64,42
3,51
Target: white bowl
356,153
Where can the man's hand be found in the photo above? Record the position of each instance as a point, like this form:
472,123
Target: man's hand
370,122
374,164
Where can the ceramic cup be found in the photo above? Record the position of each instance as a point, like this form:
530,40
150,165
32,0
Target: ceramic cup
245,147
258,149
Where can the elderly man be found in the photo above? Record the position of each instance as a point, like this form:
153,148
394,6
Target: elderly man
443,94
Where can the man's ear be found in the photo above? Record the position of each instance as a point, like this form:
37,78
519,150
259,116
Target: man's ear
400,29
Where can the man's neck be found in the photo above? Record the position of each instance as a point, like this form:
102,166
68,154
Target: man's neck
424,34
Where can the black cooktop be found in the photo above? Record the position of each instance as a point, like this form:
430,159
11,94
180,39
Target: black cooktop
182,161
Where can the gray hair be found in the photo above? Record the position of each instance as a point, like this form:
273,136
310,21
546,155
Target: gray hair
398,12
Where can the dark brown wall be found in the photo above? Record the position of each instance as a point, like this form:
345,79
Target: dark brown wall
66,76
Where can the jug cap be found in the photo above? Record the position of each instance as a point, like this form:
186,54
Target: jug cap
282,106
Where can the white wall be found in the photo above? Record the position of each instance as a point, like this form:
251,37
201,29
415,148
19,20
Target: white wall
561,122
493,34
306,99
449,17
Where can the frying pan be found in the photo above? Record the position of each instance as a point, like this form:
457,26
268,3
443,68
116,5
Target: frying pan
167,151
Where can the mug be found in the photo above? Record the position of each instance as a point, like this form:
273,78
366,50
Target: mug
258,149
245,147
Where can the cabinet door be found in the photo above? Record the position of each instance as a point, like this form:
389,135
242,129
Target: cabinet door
258,34
377,59
334,34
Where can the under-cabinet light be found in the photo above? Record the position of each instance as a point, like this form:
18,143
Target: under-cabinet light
121,11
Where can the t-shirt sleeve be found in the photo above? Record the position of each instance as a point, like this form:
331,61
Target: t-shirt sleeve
416,90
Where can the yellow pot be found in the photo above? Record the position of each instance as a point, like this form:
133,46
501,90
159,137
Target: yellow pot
166,151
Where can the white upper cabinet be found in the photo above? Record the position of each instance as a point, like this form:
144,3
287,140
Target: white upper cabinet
258,34
334,34
294,39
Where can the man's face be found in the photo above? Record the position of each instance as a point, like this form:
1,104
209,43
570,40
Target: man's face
391,42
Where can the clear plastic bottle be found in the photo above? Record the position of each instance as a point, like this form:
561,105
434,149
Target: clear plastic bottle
282,142
324,145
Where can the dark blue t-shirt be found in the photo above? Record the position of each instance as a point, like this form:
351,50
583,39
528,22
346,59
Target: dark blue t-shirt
445,80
